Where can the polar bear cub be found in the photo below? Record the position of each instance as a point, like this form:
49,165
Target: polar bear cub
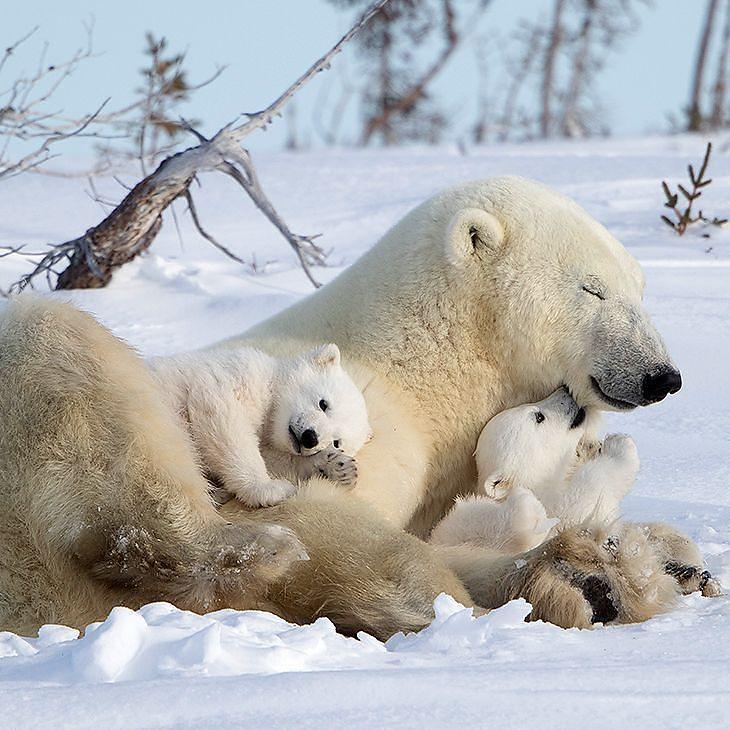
537,472
235,401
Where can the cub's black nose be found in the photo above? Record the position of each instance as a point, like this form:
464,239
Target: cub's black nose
657,386
309,438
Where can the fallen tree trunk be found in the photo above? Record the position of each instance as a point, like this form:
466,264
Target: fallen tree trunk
132,226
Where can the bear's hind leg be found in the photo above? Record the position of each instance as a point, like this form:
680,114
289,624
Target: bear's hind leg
584,575
99,473
226,566
682,560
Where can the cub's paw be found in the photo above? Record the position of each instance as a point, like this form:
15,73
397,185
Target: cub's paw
621,447
264,493
588,448
528,518
337,466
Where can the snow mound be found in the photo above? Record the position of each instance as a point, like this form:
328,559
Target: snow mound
161,641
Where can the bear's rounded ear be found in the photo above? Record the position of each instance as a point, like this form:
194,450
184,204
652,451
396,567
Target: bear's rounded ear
326,356
473,231
496,485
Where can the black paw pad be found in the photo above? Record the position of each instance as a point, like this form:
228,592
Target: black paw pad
682,572
705,578
597,591
611,544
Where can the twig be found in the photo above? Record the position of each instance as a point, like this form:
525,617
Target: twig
263,118
207,236
42,154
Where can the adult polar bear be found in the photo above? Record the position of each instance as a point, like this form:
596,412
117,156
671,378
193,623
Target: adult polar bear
488,295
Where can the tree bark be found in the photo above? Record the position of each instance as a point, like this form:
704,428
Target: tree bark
555,39
694,112
132,226
570,125
719,90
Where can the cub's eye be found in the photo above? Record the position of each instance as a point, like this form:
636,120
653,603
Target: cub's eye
539,416
336,443
593,292
323,405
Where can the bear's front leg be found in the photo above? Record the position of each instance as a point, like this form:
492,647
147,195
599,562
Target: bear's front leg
598,486
229,448
512,525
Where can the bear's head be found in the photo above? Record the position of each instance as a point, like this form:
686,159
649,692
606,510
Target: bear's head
530,445
317,406
554,293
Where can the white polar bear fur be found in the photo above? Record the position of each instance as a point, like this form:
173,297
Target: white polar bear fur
532,481
232,401
477,301
471,304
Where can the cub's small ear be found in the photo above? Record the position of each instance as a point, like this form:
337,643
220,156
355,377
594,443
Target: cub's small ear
473,231
496,486
326,356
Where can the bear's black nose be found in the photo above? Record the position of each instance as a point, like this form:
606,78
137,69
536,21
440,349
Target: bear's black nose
309,438
657,386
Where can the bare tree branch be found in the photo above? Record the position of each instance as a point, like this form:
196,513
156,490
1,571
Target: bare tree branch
684,218
24,113
131,227
265,117
42,154
519,73
245,175
571,124
405,101
207,236
27,114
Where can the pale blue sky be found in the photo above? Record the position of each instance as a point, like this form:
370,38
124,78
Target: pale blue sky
267,43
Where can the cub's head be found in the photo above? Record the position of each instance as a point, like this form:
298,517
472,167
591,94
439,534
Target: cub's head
530,445
317,406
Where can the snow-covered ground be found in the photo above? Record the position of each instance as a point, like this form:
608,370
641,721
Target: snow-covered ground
163,667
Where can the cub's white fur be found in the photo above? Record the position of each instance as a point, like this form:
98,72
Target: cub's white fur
234,402
535,474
